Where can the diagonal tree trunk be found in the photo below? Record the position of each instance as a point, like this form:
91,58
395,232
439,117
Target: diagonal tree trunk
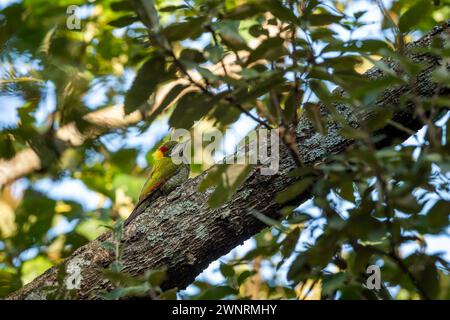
181,233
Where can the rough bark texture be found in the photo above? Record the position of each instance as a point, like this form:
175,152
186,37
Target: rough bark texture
181,233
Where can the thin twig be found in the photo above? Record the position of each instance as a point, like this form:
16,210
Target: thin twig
310,289
216,43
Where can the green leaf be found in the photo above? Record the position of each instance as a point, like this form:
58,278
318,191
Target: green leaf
294,190
214,53
320,90
9,282
121,6
224,116
271,49
155,277
131,185
291,105
190,108
370,90
299,269
173,8
289,243
407,204
352,133
229,32
322,19
125,159
359,14
244,276
34,267
191,56
346,191
344,63
278,10
7,150
441,76
34,216
425,272
257,30
414,15
332,282
327,35
259,88
121,278
123,21
227,270
226,179
378,119
314,115
430,280
134,291
365,227
190,29
207,74
438,216
268,220
147,79
372,46
169,294
168,100
244,11
110,246
217,292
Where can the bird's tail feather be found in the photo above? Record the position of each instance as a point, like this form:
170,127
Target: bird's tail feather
142,205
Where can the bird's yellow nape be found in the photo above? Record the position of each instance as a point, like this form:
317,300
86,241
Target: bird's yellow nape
158,155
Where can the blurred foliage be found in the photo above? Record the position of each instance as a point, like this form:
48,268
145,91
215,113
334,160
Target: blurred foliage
370,203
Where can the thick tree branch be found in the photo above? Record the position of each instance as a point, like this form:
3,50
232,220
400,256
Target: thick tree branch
181,233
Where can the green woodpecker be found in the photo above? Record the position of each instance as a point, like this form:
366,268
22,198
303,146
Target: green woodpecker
164,177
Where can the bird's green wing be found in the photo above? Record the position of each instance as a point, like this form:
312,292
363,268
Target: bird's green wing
161,172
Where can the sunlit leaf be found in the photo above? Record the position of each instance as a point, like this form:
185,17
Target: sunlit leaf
147,79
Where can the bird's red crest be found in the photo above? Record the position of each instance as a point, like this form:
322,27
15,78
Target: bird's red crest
163,149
